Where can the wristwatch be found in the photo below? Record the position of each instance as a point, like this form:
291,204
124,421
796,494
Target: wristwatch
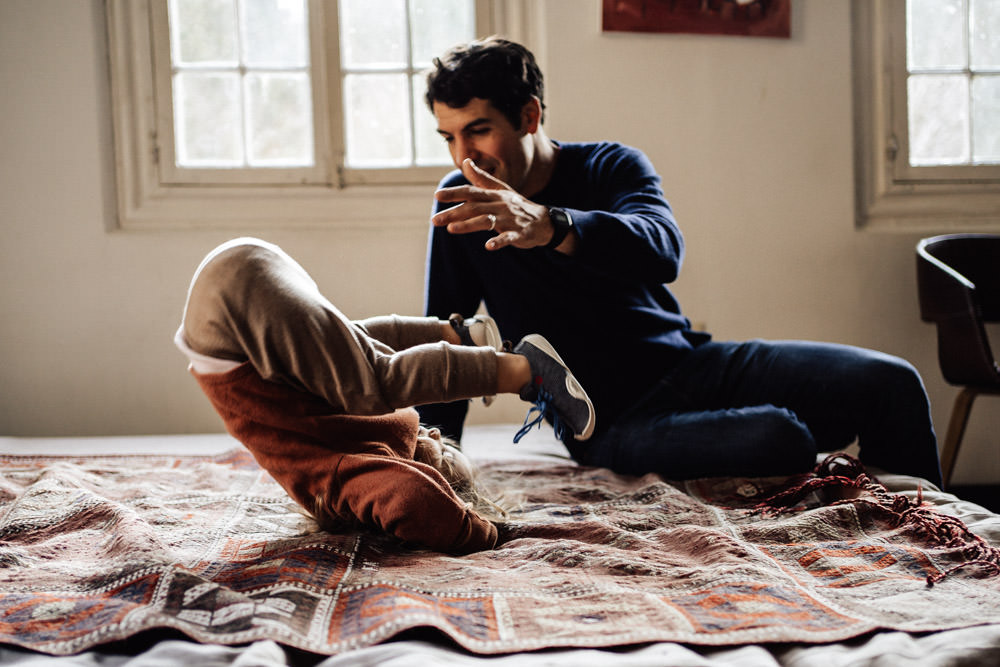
561,224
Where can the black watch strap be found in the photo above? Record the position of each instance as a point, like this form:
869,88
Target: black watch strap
561,224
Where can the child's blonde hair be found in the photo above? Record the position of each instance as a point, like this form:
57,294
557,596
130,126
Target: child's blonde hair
462,474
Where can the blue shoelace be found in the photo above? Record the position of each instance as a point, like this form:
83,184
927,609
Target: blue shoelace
541,409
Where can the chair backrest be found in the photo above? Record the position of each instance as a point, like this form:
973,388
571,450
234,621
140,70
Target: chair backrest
958,281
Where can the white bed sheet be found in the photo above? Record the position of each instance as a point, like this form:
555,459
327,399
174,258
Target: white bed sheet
489,441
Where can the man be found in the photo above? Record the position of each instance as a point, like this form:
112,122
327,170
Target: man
576,241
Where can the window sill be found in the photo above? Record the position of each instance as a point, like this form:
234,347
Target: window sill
294,207
929,209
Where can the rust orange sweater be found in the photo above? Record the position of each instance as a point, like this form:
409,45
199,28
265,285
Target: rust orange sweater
354,467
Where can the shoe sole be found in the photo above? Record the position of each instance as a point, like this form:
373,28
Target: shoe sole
573,386
493,340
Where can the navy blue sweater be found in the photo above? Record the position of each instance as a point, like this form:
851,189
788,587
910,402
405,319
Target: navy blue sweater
606,309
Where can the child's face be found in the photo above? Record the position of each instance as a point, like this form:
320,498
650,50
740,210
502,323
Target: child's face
435,450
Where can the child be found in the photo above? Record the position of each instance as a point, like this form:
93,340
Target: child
325,403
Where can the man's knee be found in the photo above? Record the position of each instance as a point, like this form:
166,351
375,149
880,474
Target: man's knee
897,378
788,440
905,374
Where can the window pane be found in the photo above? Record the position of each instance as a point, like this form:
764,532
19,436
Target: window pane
431,148
279,120
207,120
986,119
938,119
985,22
274,33
373,33
377,111
437,25
936,34
203,31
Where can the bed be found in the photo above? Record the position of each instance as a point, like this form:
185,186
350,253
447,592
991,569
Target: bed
161,550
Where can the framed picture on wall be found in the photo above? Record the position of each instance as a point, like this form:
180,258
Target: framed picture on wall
753,18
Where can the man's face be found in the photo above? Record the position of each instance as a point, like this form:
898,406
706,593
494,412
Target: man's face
480,132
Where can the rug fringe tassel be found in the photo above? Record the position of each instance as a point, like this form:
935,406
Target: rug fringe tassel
843,472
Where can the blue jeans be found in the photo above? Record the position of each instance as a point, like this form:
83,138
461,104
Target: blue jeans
763,408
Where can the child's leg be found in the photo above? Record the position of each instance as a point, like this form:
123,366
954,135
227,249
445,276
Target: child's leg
401,332
249,301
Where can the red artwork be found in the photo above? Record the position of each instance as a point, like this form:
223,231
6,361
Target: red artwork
755,18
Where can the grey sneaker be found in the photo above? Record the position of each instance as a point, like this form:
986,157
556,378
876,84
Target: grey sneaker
556,393
481,331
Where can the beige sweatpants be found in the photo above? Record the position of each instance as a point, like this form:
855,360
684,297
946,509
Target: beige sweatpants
250,301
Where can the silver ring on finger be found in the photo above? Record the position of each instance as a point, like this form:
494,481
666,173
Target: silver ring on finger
493,221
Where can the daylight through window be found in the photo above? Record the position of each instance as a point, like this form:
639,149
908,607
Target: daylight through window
953,82
241,83
386,46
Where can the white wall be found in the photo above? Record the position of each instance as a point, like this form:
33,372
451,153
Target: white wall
752,137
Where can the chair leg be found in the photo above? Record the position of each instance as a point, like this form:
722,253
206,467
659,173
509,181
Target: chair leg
956,429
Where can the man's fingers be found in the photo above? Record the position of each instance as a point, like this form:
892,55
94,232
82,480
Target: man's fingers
481,178
475,175
469,216
453,217
502,240
463,220
479,223
461,193
463,227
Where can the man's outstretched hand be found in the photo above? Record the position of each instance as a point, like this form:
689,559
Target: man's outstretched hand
490,204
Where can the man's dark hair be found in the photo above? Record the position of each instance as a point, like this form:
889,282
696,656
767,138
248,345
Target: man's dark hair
494,69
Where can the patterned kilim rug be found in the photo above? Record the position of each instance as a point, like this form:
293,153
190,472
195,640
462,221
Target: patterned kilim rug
98,549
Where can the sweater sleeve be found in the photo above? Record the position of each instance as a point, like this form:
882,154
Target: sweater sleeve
411,501
629,233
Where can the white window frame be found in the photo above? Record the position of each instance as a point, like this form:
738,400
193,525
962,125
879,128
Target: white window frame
151,196
889,193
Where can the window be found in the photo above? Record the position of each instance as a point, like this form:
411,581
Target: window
252,113
240,84
927,114
953,82
234,91
383,57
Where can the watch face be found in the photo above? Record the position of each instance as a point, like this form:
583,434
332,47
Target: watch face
560,218
561,223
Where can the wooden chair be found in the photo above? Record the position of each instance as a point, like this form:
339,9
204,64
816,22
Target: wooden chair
958,281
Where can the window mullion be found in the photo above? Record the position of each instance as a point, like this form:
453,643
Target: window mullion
970,129
409,83
241,72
